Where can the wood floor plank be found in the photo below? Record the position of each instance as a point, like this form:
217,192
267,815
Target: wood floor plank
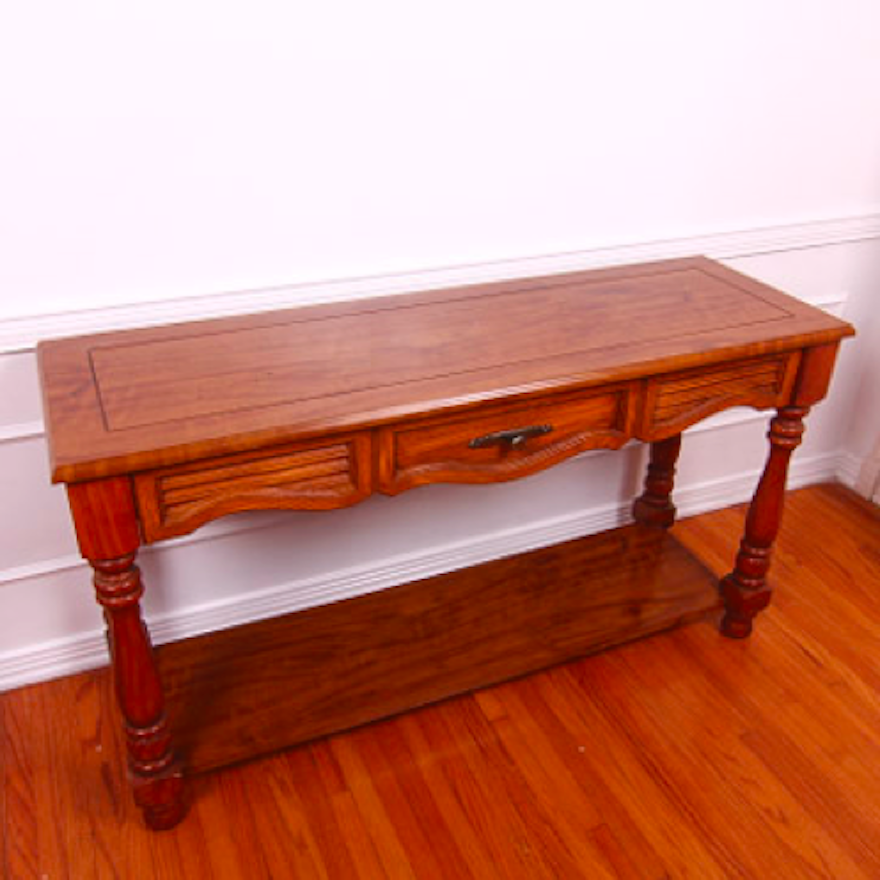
562,849
73,755
732,794
571,742
494,817
474,845
808,731
683,755
318,813
296,846
36,844
229,850
541,767
831,805
634,778
553,789
20,815
382,829
402,787
240,799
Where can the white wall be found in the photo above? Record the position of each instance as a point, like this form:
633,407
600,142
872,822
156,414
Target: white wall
166,149
155,156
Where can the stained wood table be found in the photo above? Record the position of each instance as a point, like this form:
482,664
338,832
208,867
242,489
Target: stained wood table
157,431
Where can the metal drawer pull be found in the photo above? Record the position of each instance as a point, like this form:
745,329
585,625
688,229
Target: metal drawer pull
514,436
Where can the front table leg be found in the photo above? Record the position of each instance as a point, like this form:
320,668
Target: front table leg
153,772
745,590
107,530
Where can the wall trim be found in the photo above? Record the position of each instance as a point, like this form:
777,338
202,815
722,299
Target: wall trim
21,431
867,482
848,468
47,660
22,333
43,568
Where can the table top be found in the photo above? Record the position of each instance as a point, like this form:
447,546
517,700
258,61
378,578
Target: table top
133,400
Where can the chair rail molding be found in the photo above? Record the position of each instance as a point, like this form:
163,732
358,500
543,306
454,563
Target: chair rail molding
22,333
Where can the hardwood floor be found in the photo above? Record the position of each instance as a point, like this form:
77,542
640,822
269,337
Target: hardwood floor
682,755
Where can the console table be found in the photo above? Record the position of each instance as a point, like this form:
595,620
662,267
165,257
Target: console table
158,431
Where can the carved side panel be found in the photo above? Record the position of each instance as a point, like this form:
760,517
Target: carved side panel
177,500
675,401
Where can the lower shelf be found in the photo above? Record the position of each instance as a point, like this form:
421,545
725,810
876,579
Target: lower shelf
258,688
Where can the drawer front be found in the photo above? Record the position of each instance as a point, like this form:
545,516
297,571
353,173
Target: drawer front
330,474
675,401
504,441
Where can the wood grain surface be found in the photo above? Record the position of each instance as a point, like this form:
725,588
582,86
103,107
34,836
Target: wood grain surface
686,755
262,686
134,400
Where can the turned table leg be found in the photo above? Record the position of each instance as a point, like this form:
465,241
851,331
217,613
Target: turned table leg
654,506
153,771
107,530
745,590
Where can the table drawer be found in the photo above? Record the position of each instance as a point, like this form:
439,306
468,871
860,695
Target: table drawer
677,400
326,475
502,442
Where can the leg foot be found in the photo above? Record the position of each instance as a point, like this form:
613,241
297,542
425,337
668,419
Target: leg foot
160,799
736,627
740,607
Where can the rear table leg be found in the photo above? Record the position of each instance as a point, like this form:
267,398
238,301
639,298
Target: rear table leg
654,506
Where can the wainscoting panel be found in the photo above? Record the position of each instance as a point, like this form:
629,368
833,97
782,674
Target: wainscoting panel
252,566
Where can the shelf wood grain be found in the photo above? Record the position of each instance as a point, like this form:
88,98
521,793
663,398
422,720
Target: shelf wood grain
260,687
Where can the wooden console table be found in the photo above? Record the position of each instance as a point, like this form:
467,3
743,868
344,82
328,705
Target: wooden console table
157,431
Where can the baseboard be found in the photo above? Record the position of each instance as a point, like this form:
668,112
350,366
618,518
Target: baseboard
82,651
22,333
848,469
